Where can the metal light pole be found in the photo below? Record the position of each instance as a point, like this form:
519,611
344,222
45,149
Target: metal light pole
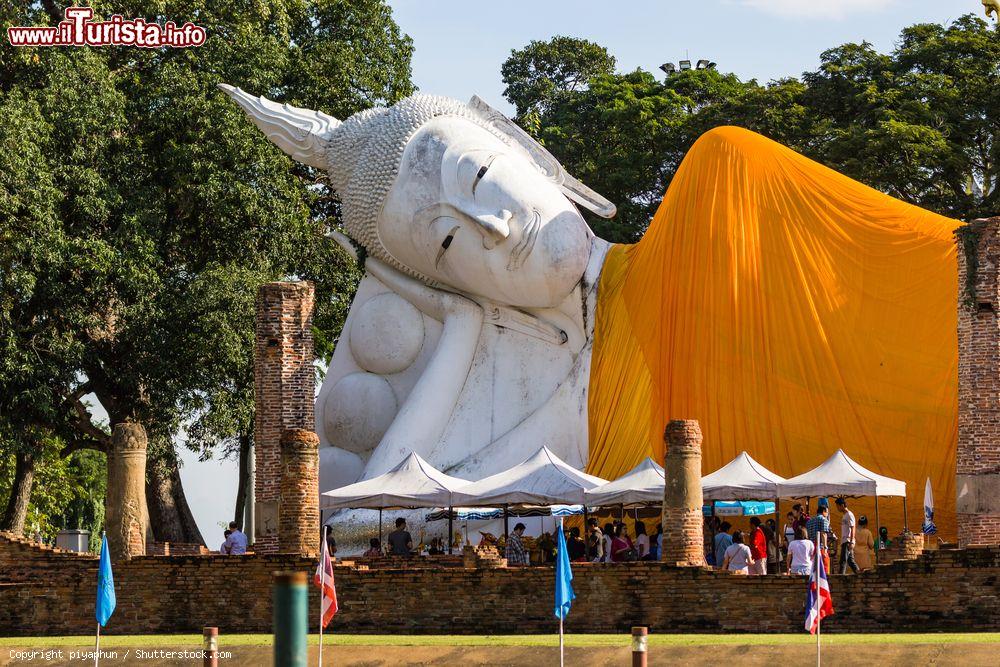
290,601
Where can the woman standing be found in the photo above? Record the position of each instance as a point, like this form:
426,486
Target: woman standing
641,541
609,536
737,557
788,532
773,548
621,547
800,553
864,553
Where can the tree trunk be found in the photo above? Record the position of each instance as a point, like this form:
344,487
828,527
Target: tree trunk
20,493
244,480
169,514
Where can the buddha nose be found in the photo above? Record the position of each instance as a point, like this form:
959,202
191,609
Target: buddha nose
495,228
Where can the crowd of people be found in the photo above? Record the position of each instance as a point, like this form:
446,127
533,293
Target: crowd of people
765,550
761,550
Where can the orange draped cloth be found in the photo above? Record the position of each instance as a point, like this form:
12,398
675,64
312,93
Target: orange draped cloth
792,311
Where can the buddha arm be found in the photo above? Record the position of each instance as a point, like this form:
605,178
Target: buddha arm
424,414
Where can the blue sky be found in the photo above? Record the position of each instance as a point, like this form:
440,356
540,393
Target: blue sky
461,45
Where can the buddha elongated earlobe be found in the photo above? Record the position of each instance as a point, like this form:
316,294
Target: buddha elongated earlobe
301,133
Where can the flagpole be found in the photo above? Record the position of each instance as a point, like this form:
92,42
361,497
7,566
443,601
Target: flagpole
561,664
561,656
97,646
818,603
322,588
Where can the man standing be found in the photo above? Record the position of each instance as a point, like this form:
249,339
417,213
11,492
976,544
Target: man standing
595,541
236,543
400,542
516,553
848,536
723,540
820,525
758,548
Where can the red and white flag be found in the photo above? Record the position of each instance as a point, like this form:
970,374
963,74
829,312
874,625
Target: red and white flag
324,579
819,602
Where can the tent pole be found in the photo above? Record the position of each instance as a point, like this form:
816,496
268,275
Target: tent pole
451,524
905,527
380,545
778,532
878,530
586,534
506,532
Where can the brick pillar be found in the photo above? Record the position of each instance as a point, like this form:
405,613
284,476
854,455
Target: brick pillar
682,500
978,453
127,517
298,507
284,389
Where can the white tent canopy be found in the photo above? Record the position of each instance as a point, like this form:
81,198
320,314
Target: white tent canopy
839,475
741,479
412,483
542,479
641,485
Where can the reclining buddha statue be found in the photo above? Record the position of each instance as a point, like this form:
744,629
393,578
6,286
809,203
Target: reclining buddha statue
789,309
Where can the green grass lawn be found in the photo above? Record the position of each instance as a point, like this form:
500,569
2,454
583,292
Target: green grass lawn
162,641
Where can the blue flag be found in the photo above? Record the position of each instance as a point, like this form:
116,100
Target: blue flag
105,585
564,578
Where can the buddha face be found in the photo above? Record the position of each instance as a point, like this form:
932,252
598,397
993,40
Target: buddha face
471,212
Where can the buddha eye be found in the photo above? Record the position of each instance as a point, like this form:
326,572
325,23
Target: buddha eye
445,244
482,172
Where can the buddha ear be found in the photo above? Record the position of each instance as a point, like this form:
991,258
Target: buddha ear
301,133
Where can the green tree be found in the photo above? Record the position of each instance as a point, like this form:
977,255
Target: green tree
919,123
163,210
541,71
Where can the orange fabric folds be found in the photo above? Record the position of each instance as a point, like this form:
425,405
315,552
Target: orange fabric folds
792,311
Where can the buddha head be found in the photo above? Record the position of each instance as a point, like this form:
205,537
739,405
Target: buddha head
452,194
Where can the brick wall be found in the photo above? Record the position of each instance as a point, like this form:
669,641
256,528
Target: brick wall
178,549
43,591
681,515
978,449
298,511
284,386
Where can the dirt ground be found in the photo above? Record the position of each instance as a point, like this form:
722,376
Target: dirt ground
745,656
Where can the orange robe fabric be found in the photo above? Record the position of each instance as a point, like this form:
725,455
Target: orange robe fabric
791,311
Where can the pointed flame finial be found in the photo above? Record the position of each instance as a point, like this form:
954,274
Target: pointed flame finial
301,133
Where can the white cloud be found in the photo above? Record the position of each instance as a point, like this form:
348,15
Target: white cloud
817,9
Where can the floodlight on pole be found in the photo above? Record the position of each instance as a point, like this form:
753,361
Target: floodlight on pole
685,65
668,68
705,64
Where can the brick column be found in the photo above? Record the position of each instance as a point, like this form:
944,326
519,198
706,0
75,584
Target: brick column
127,517
284,393
298,507
978,453
682,500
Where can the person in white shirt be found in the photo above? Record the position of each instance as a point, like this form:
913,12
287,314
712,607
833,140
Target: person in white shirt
800,553
641,541
236,543
737,557
608,531
848,537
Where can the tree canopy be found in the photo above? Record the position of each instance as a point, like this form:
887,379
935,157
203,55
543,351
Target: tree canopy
918,123
140,211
